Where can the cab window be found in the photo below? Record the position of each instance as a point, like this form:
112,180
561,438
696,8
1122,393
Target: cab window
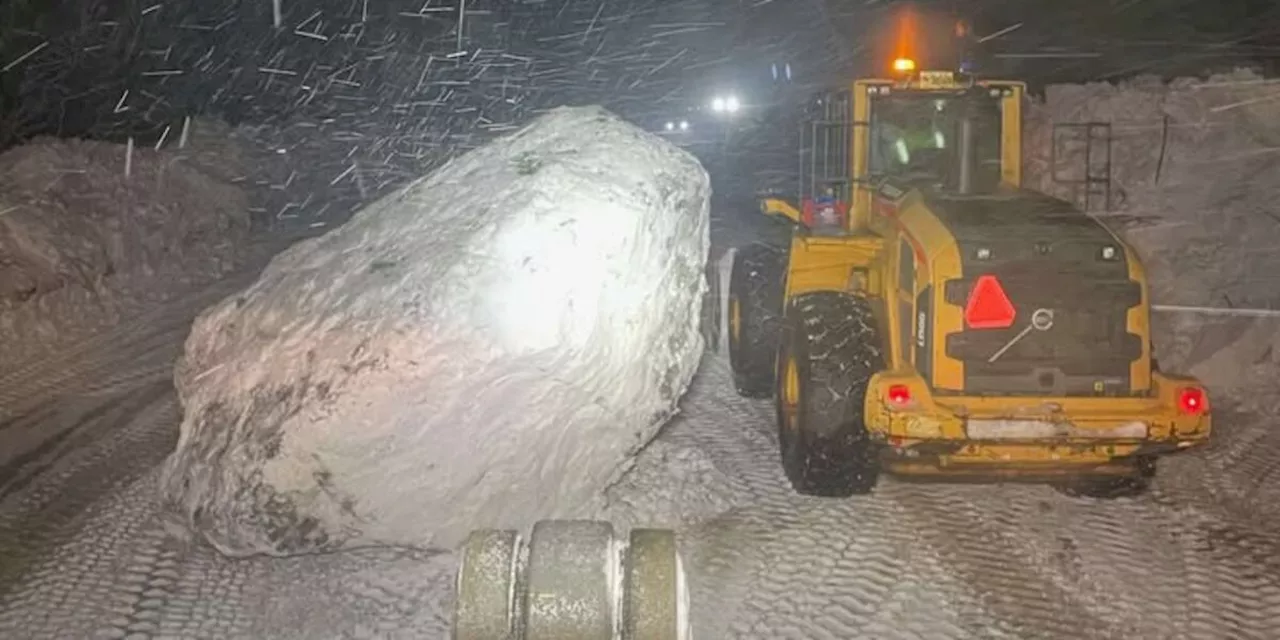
915,136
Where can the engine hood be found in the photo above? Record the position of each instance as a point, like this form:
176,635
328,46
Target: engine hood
1022,227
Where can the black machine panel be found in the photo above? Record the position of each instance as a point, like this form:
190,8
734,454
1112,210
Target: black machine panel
1086,350
1048,257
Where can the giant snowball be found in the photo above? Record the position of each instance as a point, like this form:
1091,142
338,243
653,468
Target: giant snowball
486,347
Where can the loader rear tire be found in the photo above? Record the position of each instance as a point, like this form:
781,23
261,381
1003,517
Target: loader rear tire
829,352
756,289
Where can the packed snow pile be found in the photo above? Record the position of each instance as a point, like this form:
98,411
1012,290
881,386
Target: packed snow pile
1196,189
486,347
88,229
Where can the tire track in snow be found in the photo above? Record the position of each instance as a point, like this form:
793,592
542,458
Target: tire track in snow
42,504
164,327
154,338
977,544
788,566
59,431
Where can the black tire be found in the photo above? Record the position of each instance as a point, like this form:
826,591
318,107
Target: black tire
756,288
711,304
831,340
1113,487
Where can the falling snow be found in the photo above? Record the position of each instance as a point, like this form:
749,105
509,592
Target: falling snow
335,103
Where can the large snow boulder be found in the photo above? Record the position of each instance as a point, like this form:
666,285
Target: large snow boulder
486,347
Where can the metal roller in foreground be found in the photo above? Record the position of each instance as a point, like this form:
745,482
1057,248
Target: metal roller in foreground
571,580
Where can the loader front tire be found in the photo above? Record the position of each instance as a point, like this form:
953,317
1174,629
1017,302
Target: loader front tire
829,352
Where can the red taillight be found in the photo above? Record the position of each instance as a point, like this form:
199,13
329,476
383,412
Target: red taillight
988,306
899,394
1191,400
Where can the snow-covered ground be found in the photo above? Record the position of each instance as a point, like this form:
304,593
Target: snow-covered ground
86,553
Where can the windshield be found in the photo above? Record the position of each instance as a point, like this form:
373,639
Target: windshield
916,137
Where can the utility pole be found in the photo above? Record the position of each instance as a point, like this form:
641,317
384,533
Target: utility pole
462,22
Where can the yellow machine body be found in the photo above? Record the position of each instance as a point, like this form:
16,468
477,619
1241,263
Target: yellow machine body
905,248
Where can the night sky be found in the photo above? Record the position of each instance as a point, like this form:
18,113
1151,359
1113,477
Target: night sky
393,86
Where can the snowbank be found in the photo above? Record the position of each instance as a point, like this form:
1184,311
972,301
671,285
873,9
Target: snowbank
1196,188
82,244
486,347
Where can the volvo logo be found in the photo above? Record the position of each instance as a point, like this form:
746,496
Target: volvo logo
1041,320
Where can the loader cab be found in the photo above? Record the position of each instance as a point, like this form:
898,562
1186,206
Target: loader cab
938,140
933,129
957,323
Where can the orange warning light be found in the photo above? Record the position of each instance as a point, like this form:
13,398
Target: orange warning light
904,65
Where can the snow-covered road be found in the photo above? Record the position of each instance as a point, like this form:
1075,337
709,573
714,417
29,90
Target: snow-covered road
84,552
964,561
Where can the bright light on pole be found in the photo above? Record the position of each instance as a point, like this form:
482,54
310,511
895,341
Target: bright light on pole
726,104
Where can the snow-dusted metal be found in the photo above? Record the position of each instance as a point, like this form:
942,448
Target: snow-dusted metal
571,580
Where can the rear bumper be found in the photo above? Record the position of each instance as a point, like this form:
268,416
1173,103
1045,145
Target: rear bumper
1039,437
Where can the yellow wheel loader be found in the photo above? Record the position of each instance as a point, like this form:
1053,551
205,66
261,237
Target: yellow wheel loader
932,317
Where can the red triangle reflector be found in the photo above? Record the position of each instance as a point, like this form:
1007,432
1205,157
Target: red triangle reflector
988,306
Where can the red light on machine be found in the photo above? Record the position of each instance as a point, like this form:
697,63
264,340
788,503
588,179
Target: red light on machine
988,306
1192,400
899,394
